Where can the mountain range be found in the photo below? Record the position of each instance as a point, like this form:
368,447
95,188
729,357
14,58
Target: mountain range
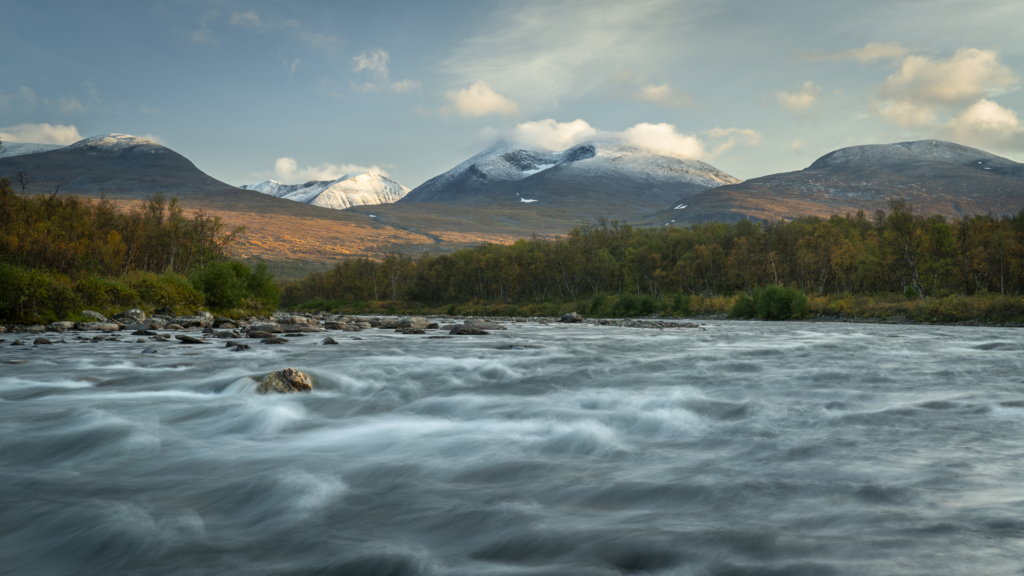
362,189
509,190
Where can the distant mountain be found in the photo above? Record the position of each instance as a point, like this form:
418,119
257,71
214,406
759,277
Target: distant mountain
22,148
937,177
345,192
118,165
599,178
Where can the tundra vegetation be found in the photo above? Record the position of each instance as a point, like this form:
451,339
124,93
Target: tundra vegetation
893,264
61,253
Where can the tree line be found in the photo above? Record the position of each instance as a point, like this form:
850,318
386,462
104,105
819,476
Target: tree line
59,252
892,251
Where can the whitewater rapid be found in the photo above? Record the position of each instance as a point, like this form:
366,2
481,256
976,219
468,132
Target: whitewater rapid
745,448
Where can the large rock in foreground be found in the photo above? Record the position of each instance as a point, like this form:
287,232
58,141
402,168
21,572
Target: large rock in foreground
285,381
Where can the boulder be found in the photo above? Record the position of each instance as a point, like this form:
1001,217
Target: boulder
96,316
226,326
327,342
432,326
173,326
226,334
40,341
149,351
17,343
240,348
269,327
156,322
97,327
207,330
388,325
258,334
133,315
136,326
35,329
413,322
464,330
186,339
352,328
273,341
193,321
483,324
335,325
296,321
364,325
411,331
143,333
62,326
204,314
285,381
571,318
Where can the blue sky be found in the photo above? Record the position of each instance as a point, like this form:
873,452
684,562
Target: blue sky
298,90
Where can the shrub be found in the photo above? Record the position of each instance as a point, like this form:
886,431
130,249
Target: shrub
744,307
597,303
778,303
910,293
32,295
681,304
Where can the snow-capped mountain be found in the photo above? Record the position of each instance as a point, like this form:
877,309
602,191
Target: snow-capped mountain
114,144
349,190
11,149
606,174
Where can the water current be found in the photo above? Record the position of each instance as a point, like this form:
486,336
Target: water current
746,448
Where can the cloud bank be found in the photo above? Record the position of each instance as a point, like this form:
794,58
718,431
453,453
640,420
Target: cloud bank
287,170
41,134
479,100
663,138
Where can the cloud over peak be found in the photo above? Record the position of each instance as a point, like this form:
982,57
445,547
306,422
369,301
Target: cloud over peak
41,134
287,169
479,100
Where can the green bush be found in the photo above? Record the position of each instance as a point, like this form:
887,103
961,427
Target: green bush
167,290
681,304
778,303
910,293
232,284
744,307
28,295
597,303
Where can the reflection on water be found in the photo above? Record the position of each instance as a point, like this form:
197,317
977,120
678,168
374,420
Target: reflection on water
749,448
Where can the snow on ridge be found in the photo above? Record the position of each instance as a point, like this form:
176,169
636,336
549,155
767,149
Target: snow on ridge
12,149
114,143
359,189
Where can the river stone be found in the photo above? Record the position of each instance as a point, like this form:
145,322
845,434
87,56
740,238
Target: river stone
97,326
226,326
411,331
17,343
352,328
62,326
35,329
268,327
327,342
204,314
40,341
96,316
133,315
571,317
464,330
193,321
296,320
136,326
173,326
273,341
285,381
207,330
258,334
483,325
149,351
335,325
240,348
413,322
186,339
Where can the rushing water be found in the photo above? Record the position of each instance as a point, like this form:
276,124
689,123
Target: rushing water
745,448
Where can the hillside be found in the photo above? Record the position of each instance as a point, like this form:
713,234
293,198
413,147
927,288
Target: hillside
602,178
937,177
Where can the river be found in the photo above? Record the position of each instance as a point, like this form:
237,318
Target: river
745,448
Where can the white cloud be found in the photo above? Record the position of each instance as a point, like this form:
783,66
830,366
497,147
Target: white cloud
249,19
28,95
986,123
540,51
41,134
869,53
70,105
552,135
373,61
967,75
797,146
662,94
800,100
479,100
287,169
404,86
663,138
204,35
906,114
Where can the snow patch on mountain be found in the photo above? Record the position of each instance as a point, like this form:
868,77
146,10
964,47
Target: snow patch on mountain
11,149
350,190
116,144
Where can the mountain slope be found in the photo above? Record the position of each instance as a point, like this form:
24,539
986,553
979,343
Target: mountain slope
12,149
118,165
937,177
598,178
345,192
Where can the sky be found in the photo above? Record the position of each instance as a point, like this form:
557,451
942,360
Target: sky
294,91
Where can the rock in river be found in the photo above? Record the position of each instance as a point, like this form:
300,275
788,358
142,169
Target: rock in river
189,339
571,318
285,382
464,330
